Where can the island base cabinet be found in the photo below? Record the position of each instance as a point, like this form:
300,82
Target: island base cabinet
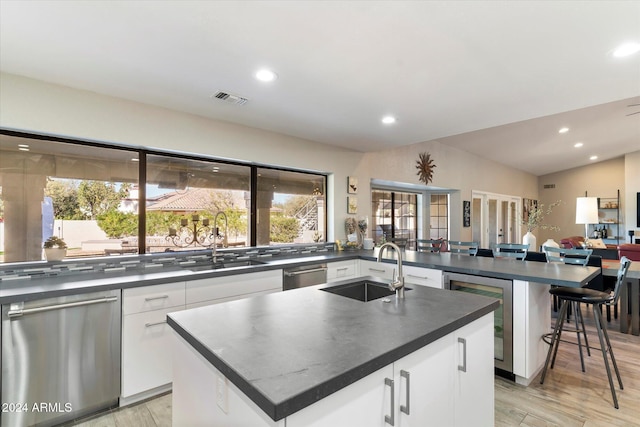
364,403
448,383
474,382
203,397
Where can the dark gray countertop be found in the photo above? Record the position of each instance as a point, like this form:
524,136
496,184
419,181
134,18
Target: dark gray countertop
33,289
288,350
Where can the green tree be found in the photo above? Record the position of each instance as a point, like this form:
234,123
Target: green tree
158,223
283,229
64,195
118,224
98,197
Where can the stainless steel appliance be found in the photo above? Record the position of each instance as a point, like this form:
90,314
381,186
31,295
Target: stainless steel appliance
60,358
307,275
503,316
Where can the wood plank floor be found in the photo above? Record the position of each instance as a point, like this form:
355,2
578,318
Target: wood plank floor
568,397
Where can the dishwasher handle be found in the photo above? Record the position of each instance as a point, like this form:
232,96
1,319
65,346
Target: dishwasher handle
297,273
17,310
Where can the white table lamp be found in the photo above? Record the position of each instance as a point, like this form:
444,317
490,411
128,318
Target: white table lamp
586,212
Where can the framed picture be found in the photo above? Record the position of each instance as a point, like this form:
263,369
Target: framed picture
352,185
466,213
352,205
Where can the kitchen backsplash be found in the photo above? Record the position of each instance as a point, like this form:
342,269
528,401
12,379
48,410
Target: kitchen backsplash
150,262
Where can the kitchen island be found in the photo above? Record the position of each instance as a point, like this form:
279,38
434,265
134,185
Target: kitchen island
314,358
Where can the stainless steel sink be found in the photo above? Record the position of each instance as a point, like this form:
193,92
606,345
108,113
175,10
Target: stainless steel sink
241,263
227,264
362,290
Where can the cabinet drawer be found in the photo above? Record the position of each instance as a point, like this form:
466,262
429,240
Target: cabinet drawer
146,351
341,270
378,269
423,276
232,286
147,298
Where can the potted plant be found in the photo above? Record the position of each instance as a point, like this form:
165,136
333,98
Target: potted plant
55,249
535,220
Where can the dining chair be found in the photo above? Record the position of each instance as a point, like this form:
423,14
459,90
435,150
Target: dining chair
458,247
428,245
401,242
597,299
510,250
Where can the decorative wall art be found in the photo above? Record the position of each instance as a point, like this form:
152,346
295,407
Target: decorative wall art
425,167
466,213
352,185
352,204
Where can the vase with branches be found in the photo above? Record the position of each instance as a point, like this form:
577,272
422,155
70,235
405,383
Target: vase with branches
535,219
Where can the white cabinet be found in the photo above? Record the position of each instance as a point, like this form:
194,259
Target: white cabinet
422,276
364,403
379,269
146,359
227,288
341,270
474,388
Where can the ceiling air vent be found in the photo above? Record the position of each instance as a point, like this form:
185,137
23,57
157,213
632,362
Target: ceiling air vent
229,98
549,186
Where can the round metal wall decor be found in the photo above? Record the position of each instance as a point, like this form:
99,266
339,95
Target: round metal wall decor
425,167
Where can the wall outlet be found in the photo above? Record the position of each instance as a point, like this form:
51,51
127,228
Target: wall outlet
222,394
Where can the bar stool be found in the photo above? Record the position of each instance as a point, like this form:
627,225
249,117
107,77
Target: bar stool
597,299
510,250
458,247
574,256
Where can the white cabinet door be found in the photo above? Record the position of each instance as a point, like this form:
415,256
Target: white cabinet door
378,269
341,270
146,351
424,385
423,276
474,385
364,403
233,286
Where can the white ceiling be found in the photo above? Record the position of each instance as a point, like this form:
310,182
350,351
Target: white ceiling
495,78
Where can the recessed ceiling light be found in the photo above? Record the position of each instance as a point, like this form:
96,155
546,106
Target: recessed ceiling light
578,144
135,159
626,49
593,158
23,145
265,75
563,130
23,148
388,120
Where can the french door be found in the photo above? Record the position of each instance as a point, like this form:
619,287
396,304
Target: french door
495,219
394,215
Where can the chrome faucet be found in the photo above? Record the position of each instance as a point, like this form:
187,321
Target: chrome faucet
397,283
216,233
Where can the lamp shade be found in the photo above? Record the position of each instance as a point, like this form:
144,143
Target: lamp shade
587,210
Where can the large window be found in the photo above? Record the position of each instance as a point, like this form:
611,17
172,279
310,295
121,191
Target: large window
105,200
290,207
78,192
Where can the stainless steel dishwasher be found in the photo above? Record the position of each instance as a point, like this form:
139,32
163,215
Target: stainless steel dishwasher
60,358
306,275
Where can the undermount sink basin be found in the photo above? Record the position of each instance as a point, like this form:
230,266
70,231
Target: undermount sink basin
242,263
362,290
227,264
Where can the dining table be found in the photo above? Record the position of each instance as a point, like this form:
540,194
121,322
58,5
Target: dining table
629,294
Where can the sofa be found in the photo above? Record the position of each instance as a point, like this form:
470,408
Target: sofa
630,250
572,242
